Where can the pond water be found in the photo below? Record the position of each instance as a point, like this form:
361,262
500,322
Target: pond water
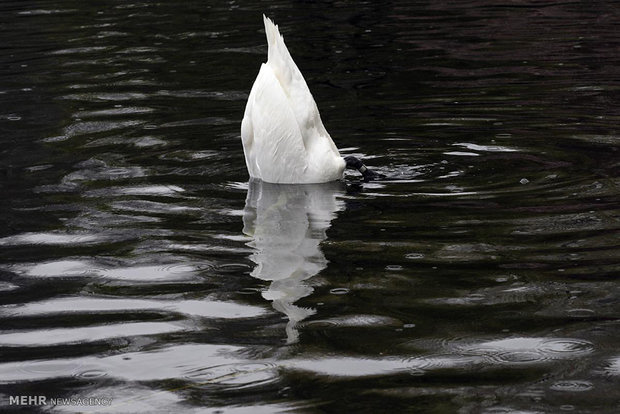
138,264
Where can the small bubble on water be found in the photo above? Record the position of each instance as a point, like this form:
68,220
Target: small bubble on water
13,118
339,291
524,181
393,267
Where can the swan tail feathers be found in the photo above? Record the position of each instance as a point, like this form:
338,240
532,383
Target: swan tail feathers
278,56
275,41
271,31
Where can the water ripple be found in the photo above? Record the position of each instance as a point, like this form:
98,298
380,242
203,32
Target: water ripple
152,190
76,304
59,336
572,386
87,268
354,321
52,239
522,350
478,275
234,376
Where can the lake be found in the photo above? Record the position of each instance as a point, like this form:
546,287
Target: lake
141,271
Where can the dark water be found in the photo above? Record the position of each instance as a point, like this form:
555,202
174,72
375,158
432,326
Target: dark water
137,263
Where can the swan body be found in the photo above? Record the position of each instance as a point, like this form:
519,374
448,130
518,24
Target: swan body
284,140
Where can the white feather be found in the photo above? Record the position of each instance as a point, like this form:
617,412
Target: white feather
284,140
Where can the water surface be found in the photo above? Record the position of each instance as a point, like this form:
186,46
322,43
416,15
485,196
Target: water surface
138,263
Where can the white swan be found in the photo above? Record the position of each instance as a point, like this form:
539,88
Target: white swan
284,140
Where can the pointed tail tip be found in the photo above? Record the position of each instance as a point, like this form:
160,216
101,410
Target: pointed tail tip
268,22
271,29
270,26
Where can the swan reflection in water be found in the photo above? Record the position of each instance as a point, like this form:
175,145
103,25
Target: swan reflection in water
287,223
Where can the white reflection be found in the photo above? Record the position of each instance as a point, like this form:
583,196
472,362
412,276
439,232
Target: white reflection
287,224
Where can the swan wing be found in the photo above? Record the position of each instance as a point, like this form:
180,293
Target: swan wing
272,142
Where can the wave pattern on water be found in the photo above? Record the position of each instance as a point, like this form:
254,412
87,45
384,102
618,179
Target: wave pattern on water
479,275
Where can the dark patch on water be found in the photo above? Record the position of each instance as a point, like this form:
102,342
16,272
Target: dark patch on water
479,274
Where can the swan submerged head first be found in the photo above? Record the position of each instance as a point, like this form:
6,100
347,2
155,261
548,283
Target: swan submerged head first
284,140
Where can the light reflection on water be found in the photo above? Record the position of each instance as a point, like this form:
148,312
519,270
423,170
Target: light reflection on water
287,224
480,275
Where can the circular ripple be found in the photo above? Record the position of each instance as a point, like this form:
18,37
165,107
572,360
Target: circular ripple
567,346
51,239
355,321
580,313
521,350
422,364
91,374
150,273
40,370
519,357
572,386
235,375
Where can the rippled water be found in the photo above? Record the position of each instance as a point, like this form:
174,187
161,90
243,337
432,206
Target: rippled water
481,275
